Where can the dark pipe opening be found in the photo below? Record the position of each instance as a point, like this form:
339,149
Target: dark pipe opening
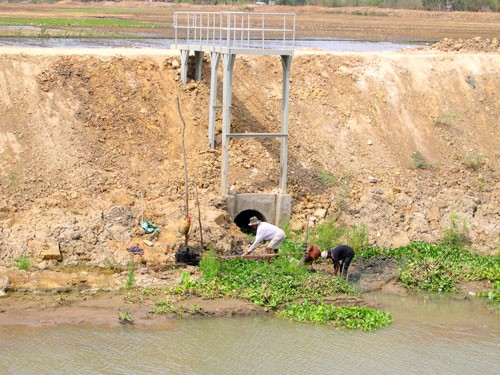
243,218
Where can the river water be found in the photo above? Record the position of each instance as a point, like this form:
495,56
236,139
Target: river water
429,335
330,45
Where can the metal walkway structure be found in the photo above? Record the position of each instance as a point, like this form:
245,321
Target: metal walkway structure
228,34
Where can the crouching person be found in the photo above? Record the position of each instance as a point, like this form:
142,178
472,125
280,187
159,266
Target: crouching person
341,256
266,232
311,254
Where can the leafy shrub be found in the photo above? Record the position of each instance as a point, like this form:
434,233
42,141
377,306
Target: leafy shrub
428,275
167,307
266,284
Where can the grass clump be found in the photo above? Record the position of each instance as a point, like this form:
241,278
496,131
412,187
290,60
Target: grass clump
23,263
130,279
474,162
345,317
327,178
329,234
456,235
125,317
419,161
445,120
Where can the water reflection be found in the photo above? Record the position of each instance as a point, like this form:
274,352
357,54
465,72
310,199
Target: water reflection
428,336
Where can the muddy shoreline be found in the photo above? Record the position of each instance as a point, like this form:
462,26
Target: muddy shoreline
89,302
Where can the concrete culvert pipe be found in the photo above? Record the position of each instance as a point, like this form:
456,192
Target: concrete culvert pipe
243,218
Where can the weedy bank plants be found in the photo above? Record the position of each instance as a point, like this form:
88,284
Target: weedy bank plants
419,161
457,234
130,279
23,263
125,317
438,268
273,285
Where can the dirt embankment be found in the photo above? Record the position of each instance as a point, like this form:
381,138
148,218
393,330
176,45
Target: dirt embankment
90,145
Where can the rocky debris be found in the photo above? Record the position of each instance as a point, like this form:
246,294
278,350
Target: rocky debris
468,45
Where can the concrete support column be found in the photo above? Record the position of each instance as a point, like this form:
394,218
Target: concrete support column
198,60
286,61
214,66
283,209
184,63
227,87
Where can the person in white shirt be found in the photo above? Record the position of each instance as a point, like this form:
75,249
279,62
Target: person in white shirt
266,232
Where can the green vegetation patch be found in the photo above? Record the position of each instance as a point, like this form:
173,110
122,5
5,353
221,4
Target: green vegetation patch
345,317
274,284
70,22
279,281
113,11
267,284
23,263
438,268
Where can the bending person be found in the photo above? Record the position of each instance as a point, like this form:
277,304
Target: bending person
266,232
341,256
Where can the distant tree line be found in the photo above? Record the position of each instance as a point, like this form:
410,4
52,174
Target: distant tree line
439,5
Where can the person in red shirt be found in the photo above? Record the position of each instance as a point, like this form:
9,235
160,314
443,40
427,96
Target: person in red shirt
311,254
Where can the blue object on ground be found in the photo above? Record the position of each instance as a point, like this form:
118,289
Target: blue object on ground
149,227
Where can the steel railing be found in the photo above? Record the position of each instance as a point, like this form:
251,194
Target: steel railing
235,30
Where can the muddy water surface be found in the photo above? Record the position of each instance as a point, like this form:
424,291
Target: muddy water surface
429,335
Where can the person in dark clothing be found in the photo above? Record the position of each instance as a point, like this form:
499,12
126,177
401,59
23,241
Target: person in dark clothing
341,256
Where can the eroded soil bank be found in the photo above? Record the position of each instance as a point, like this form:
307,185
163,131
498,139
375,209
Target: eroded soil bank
90,145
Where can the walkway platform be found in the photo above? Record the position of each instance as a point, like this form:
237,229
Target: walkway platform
228,34
235,32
